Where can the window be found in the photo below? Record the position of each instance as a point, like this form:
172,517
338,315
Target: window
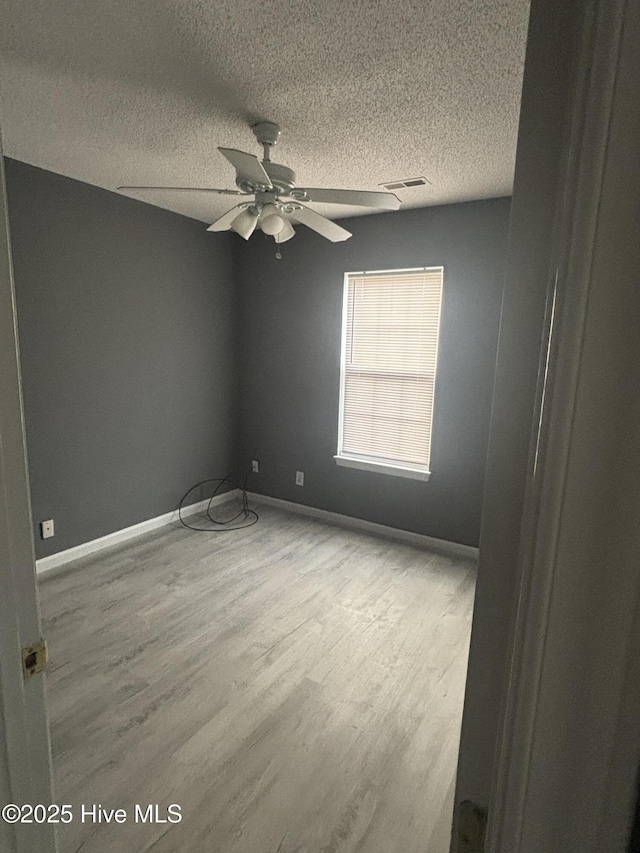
389,352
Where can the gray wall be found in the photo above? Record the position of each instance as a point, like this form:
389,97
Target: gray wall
125,316
289,354
155,354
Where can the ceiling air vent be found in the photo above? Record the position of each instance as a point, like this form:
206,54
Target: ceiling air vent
408,183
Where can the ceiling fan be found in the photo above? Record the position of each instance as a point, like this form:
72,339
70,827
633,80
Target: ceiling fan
276,201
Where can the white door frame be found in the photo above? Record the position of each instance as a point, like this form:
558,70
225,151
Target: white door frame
569,744
25,764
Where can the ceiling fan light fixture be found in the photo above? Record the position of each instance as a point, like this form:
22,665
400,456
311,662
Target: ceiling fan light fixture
245,223
271,221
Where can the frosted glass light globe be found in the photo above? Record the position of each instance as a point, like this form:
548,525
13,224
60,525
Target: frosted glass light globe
271,222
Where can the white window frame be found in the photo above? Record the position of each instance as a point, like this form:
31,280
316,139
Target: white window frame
362,462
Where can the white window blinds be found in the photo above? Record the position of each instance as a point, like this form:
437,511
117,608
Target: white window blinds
390,348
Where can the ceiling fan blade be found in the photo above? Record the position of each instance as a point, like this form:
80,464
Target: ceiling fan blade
223,223
361,198
287,232
321,224
248,167
181,190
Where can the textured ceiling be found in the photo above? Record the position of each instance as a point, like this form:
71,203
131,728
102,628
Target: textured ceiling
365,91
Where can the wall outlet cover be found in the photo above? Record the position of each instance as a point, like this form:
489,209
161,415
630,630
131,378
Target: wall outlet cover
47,529
299,478
255,466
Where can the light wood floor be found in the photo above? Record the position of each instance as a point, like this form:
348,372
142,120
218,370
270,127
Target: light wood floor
295,687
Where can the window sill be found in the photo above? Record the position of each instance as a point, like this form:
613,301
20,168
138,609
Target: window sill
382,468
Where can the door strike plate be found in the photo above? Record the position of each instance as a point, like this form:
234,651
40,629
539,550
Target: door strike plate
34,658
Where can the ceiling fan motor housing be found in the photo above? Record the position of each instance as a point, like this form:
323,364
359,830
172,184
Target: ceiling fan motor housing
282,178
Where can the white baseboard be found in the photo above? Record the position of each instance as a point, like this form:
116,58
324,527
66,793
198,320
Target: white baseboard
417,539
45,564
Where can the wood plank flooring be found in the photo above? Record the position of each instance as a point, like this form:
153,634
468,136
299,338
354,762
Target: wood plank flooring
294,687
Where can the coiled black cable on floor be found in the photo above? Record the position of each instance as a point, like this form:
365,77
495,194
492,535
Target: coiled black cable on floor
250,516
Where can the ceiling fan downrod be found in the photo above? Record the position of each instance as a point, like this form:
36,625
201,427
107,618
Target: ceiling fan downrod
267,133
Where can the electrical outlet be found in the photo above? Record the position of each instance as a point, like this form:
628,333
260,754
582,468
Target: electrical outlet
46,529
255,466
299,478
